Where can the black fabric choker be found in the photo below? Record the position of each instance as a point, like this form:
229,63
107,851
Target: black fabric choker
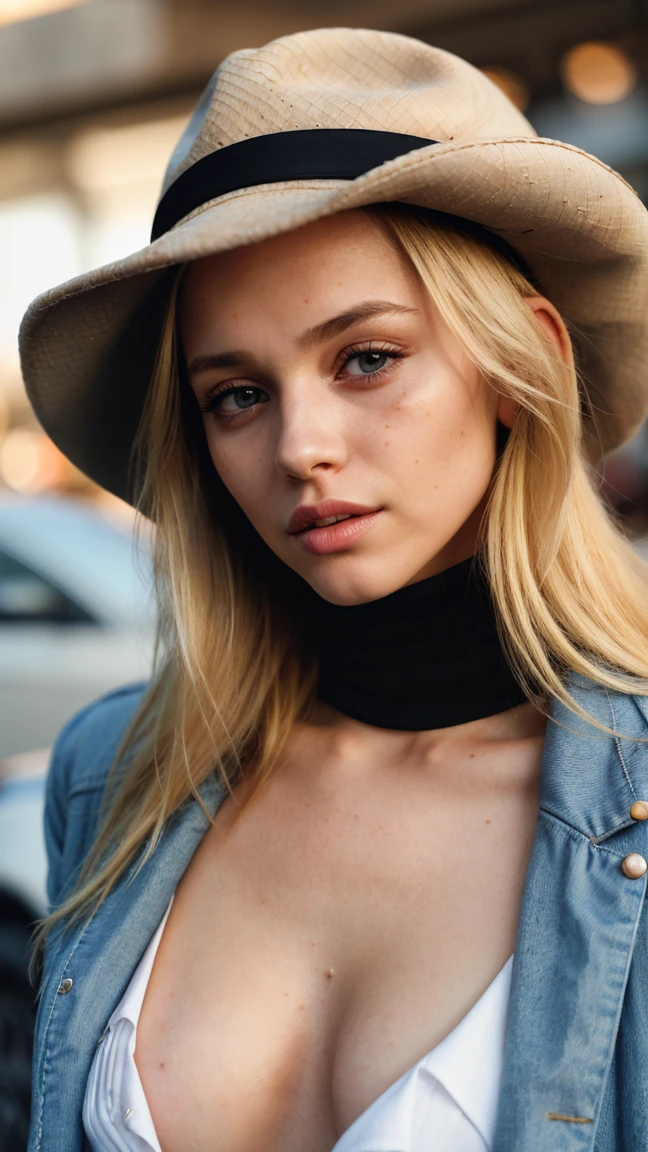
427,656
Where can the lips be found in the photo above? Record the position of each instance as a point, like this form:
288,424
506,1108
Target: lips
324,514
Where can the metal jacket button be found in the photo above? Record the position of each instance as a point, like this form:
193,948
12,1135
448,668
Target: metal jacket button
66,984
639,810
634,866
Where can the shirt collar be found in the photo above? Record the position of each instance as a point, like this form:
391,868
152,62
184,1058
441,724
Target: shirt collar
468,1063
465,1069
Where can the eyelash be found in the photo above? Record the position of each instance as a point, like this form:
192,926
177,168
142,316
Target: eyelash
392,354
215,398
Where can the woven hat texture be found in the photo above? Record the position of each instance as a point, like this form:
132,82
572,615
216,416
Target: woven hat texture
88,346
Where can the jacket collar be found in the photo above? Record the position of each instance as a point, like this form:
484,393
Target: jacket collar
590,779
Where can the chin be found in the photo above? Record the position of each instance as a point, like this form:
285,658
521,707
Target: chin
343,586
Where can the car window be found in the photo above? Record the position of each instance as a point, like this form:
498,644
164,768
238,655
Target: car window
26,596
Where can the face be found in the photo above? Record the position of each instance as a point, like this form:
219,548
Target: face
342,415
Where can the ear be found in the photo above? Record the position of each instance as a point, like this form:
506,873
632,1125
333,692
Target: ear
553,326
507,410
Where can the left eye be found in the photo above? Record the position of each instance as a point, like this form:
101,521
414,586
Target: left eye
363,363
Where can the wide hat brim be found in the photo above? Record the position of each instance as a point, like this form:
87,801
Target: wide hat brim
88,347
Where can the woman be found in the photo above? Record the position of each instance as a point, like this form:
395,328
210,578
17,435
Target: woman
387,788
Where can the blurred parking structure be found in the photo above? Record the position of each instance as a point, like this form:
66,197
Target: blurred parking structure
76,615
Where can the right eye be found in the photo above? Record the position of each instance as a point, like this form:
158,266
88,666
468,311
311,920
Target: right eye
235,401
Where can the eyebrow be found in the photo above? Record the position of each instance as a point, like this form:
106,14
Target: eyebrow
339,324
312,336
232,359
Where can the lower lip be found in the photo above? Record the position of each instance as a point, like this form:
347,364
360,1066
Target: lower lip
336,537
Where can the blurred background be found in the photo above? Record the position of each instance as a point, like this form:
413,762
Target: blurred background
93,95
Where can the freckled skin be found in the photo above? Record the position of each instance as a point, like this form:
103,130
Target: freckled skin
322,944
318,435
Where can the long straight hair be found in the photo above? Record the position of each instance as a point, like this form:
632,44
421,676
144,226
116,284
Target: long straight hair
235,670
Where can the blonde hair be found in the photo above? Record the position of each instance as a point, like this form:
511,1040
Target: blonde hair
235,669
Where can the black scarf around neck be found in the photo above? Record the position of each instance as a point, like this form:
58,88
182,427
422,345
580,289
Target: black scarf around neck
427,656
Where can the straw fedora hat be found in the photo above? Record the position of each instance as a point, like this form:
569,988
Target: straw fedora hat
324,121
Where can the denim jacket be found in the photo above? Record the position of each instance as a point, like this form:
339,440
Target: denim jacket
576,1058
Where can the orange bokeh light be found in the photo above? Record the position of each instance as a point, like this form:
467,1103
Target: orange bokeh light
598,73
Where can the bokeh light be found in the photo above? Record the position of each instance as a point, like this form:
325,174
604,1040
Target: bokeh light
598,73
19,459
30,462
12,11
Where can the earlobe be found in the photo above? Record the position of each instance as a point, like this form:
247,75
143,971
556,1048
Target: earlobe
507,410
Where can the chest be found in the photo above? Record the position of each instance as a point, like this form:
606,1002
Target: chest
322,943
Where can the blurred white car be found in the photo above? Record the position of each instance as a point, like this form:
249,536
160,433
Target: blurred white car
76,615
76,619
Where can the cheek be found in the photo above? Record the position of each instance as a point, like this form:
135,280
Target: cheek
242,465
449,421
441,441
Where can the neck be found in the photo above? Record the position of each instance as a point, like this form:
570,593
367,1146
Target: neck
352,738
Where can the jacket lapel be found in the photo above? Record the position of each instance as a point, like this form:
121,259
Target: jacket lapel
578,924
100,959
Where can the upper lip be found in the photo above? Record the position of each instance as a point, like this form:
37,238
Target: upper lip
307,514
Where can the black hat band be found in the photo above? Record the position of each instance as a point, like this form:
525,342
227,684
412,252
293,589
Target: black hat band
303,154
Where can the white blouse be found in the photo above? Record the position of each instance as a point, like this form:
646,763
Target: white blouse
446,1103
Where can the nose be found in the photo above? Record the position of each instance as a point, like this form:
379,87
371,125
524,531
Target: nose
311,439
